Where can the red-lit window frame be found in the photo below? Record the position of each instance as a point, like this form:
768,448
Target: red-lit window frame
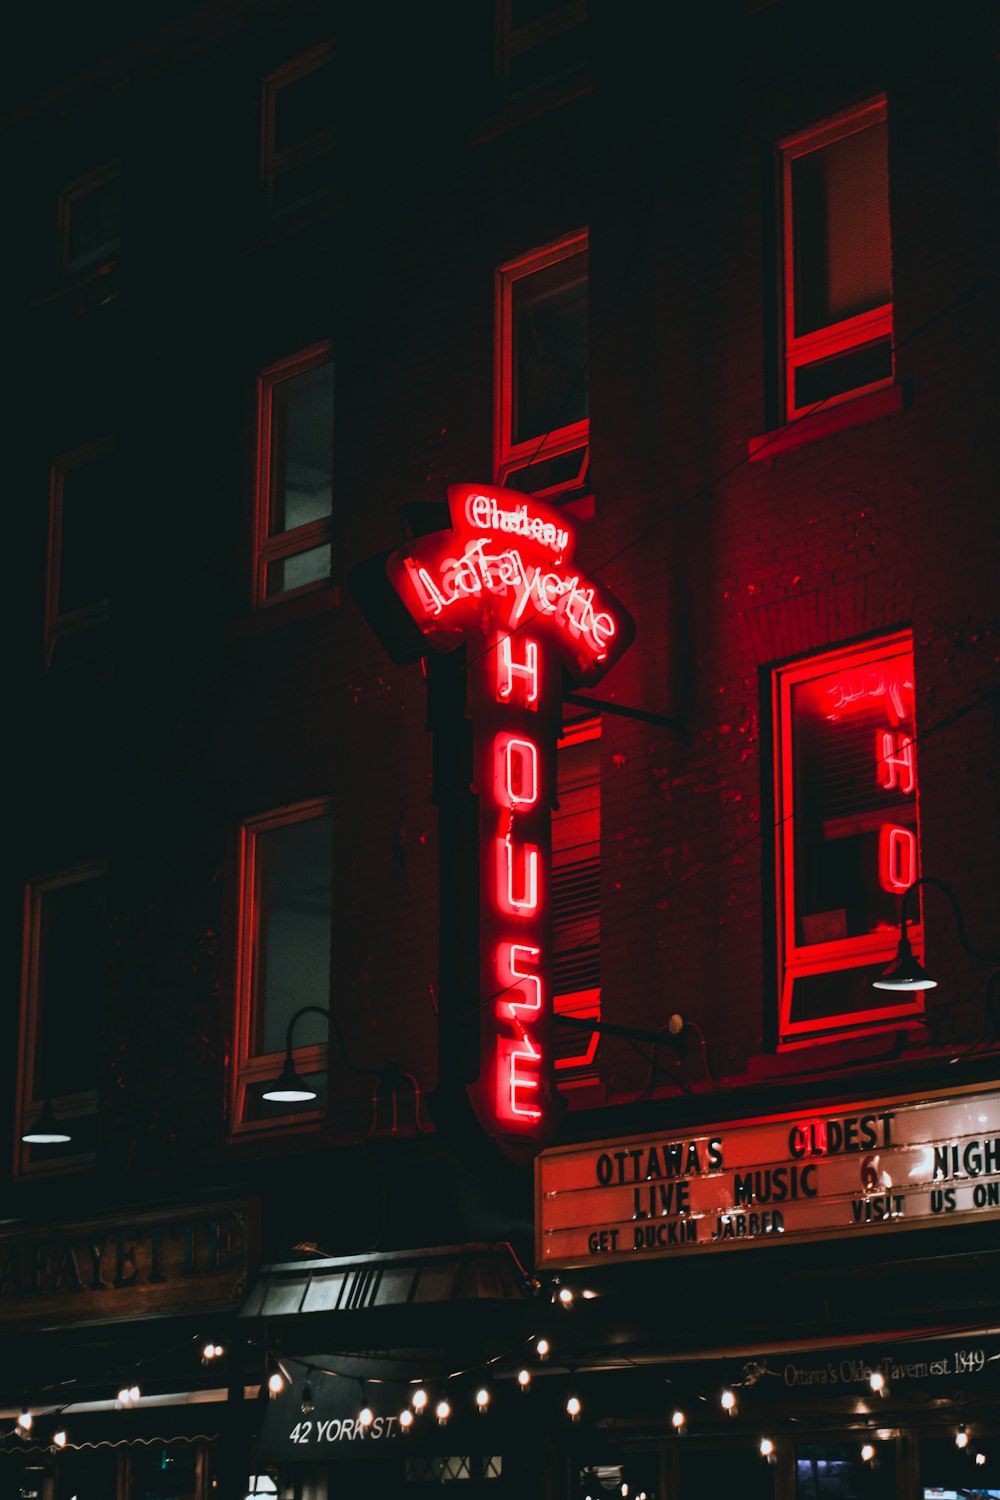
65,1106
796,962
274,163
585,1005
249,1066
271,549
513,41
850,333
57,625
509,456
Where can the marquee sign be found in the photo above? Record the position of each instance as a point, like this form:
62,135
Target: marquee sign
502,581
865,1169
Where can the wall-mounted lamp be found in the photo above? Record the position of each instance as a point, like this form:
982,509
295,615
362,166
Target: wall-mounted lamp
905,973
45,1131
289,1087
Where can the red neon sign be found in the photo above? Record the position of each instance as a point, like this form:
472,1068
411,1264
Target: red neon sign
502,581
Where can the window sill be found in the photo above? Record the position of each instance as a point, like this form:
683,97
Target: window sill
283,612
821,424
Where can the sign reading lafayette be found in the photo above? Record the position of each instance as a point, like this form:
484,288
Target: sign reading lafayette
871,1167
146,1266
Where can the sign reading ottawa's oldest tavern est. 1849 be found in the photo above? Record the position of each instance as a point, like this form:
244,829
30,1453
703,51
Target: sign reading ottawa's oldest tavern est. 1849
864,1168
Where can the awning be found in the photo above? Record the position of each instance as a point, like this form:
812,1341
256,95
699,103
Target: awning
383,1311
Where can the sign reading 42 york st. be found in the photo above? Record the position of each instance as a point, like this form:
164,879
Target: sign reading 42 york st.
866,1168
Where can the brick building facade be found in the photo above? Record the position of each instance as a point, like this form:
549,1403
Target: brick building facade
720,286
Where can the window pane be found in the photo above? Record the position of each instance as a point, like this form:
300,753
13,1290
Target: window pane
86,1476
71,982
83,556
550,348
304,107
287,573
301,450
526,12
836,1471
293,186
292,942
725,1471
840,209
855,790
165,1473
844,372
548,60
93,221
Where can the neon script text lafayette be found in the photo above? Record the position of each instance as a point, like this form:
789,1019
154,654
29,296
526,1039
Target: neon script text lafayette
505,574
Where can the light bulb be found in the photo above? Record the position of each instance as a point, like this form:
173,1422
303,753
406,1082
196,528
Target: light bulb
134,1393
624,1489
677,1420
867,1452
419,1399
218,1351
728,1401
482,1398
25,1420
406,1419
961,1438
276,1384
366,1416
766,1448
573,1407
524,1379
208,1352
565,1296
877,1381
123,1396
442,1411
542,1348
980,1459
59,1439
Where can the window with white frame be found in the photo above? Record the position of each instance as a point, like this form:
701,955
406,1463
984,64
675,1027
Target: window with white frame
284,947
847,836
293,513
837,259
297,133
576,892
81,497
89,220
541,46
541,418
62,1004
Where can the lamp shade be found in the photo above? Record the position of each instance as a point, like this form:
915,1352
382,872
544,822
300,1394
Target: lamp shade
289,1087
905,973
45,1131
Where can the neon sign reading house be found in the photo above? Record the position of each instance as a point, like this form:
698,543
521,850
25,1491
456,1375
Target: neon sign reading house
502,581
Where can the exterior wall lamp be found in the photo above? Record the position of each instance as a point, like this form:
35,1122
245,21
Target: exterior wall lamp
905,973
45,1131
291,1088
